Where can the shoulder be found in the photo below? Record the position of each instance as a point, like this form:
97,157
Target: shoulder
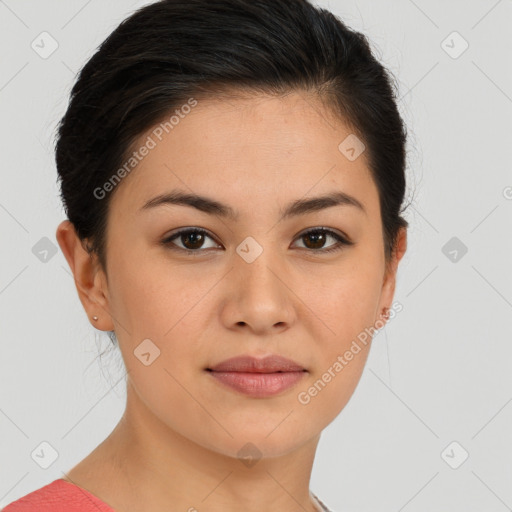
58,496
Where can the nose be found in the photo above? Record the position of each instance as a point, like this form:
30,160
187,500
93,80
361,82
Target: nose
258,296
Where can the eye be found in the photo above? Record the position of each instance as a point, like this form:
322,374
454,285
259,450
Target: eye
192,239
318,237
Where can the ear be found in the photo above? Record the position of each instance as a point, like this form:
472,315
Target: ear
389,282
90,280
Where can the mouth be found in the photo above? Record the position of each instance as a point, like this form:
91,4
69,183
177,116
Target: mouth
258,378
250,364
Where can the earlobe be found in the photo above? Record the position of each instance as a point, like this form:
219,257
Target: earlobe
88,281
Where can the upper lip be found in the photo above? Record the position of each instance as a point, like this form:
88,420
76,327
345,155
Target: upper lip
250,364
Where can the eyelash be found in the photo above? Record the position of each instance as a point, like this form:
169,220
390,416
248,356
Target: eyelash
336,247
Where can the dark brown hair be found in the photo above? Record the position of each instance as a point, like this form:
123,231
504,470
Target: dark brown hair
172,50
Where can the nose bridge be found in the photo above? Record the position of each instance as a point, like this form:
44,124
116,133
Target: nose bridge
261,298
257,263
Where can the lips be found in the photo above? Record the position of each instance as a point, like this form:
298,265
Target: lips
249,364
258,378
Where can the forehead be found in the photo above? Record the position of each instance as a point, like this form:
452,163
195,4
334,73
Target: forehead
258,149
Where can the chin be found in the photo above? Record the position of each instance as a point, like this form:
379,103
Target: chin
259,441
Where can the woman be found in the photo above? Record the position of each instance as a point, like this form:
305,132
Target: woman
233,173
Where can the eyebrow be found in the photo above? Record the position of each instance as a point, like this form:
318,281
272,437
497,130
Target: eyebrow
213,207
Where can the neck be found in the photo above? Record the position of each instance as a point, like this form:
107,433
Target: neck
154,466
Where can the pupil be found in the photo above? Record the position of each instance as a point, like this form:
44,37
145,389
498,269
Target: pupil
318,239
197,239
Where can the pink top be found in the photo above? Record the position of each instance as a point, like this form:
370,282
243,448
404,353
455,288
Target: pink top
58,496
63,496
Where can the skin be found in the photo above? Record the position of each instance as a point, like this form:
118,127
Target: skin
176,445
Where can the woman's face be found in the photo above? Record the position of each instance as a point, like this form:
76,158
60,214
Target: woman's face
256,283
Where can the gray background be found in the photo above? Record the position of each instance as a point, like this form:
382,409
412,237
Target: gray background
440,372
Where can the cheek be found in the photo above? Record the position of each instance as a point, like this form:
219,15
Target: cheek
146,296
343,343
346,303
159,304
346,298
169,307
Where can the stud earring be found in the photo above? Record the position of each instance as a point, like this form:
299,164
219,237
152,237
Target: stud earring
95,318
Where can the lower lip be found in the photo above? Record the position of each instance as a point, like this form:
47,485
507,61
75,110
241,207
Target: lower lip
259,384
